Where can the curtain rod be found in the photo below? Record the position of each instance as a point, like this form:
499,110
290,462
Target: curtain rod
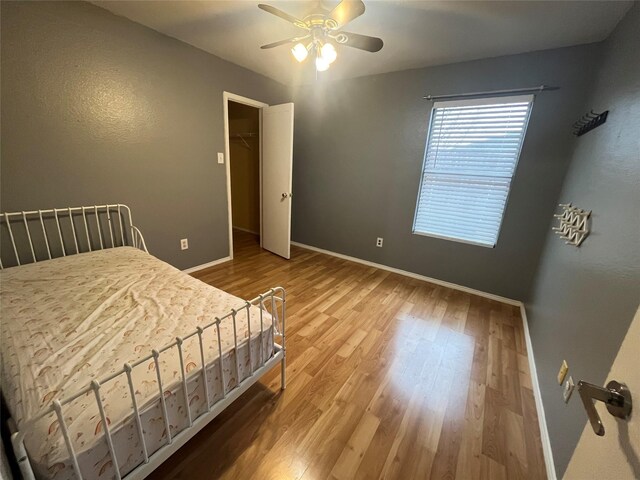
493,92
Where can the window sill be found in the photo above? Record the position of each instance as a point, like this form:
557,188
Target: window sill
454,239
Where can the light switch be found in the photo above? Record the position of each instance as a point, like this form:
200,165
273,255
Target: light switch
220,157
564,368
567,390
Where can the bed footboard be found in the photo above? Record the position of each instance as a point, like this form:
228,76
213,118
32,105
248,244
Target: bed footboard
272,301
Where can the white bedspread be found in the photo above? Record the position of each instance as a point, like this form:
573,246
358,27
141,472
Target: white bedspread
69,320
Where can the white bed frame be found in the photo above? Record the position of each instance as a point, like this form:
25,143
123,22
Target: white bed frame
98,227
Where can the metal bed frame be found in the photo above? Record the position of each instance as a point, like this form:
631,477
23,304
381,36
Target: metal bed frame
110,227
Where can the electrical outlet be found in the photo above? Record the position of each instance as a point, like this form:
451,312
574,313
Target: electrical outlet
184,244
379,241
567,390
220,157
564,368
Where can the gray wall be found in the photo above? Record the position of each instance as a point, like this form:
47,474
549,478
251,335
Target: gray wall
585,298
359,146
96,108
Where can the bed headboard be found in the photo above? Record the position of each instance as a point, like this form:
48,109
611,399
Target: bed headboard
37,235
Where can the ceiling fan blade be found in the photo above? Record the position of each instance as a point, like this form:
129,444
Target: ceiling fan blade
346,11
362,42
285,16
285,42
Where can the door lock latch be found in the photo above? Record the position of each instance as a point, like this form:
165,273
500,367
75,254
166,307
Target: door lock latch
616,396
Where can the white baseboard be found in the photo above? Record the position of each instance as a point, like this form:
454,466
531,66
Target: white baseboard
207,265
544,432
417,276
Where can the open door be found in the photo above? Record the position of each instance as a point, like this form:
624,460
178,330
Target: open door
277,166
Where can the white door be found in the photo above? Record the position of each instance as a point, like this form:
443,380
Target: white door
277,165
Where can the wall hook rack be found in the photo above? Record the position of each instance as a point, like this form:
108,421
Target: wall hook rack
573,224
589,121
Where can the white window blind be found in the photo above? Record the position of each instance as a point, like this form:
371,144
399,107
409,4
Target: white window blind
472,151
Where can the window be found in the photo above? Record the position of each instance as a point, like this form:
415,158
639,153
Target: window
472,151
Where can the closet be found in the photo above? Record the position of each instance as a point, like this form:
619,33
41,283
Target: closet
244,163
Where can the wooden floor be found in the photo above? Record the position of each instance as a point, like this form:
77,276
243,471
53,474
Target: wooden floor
388,377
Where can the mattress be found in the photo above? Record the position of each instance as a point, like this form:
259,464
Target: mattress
69,320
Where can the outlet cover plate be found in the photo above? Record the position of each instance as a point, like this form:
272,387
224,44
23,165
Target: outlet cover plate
220,157
567,390
184,244
379,242
564,368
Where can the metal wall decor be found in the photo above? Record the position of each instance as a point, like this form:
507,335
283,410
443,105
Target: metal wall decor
589,121
573,224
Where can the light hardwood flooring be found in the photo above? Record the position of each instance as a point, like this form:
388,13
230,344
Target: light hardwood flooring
388,377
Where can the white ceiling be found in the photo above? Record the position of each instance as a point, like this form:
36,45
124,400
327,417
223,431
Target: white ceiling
415,33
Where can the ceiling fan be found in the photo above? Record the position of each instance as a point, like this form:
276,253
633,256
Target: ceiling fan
323,28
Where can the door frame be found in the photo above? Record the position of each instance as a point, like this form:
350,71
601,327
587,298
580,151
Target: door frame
226,96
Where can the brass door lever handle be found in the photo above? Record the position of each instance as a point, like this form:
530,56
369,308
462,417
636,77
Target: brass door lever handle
616,396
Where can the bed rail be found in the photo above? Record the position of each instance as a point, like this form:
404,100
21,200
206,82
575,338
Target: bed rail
37,235
272,301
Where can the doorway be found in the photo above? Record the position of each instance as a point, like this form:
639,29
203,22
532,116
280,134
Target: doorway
259,140
244,166
235,144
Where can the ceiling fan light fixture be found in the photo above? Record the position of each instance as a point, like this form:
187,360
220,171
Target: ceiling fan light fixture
323,33
328,52
321,64
300,52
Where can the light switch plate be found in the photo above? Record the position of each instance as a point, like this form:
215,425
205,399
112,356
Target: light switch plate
564,368
220,157
567,390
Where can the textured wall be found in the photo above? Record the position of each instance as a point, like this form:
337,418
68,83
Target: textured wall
359,148
585,298
96,108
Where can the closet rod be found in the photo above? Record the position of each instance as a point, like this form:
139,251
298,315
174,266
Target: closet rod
489,93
